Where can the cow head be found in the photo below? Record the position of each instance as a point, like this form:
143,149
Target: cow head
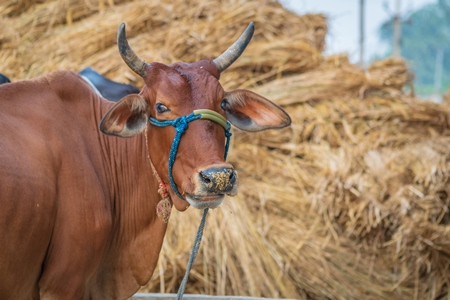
171,91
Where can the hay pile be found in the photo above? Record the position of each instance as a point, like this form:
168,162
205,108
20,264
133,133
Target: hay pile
165,32
350,202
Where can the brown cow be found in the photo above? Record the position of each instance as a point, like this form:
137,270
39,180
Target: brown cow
78,207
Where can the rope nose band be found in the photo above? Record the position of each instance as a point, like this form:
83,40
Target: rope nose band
181,124
213,116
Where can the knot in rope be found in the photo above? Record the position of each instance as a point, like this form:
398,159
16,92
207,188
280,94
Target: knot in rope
181,124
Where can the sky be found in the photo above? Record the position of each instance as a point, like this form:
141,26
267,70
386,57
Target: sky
343,22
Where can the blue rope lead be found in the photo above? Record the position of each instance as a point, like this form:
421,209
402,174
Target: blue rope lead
194,252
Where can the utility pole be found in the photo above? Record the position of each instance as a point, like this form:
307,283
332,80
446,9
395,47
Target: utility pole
397,29
361,32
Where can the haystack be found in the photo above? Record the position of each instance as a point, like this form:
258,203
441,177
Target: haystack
350,202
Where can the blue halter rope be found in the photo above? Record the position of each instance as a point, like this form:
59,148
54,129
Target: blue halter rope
181,124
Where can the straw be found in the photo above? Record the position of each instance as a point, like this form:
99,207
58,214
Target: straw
350,202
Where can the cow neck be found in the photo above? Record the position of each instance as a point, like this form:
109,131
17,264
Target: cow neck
164,207
137,233
131,184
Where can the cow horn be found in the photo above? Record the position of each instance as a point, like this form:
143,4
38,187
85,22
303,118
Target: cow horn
231,54
129,57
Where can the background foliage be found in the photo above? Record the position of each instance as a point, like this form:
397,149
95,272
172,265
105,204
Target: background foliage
424,32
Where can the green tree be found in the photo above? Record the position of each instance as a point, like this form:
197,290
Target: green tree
425,33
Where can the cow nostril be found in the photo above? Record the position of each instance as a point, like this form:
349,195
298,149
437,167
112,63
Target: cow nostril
232,178
205,177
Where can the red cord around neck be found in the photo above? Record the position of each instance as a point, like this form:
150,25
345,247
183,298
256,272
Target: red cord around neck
164,207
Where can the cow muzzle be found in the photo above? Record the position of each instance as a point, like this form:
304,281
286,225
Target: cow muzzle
217,180
212,184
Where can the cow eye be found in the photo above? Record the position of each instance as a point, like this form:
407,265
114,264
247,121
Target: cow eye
224,104
161,108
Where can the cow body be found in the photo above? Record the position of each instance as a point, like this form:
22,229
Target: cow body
77,207
81,177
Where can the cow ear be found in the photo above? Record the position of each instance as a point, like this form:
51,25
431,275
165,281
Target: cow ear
251,112
126,118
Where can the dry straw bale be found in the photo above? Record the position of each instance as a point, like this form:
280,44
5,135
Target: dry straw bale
388,73
16,7
350,202
377,171
333,77
40,18
336,76
191,36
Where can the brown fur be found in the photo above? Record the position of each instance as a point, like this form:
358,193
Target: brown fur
78,208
